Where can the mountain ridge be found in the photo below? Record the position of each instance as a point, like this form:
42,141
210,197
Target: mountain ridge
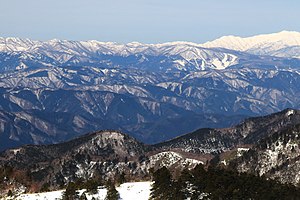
108,153
63,50
275,35
249,131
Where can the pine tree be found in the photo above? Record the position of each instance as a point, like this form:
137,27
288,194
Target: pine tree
112,193
121,178
183,184
70,192
162,186
91,186
45,187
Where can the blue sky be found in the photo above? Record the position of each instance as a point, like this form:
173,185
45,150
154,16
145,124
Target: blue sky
148,21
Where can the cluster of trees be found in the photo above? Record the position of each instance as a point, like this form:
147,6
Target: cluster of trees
91,186
217,183
10,176
23,177
19,175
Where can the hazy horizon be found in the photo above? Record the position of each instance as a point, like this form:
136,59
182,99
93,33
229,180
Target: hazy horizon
33,39
145,21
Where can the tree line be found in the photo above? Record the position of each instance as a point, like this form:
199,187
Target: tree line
217,183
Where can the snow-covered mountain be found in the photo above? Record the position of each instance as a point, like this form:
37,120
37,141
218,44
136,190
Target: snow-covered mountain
64,51
61,89
60,103
182,55
282,44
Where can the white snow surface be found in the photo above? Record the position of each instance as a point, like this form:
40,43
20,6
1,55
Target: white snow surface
283,38
127,191
282,44
290,112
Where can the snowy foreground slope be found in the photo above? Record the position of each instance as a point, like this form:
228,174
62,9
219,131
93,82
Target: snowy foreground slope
127,191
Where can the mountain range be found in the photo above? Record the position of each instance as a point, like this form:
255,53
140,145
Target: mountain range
265,145
56,90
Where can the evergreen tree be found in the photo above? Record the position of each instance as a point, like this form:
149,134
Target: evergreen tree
183,184
91,186
177,192
70,192
162,186
45,187
121,178
218,183
112,193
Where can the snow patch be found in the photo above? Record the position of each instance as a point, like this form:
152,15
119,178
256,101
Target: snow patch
240,151
170,158
290,112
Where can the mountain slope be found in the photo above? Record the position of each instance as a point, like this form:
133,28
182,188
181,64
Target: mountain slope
62,103
53,116
272,141
277,157
100,156
249,132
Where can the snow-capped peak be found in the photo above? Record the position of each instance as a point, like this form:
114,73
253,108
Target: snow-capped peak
16,44
276,40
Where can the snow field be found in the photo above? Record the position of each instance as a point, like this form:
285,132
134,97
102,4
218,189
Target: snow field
127,191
